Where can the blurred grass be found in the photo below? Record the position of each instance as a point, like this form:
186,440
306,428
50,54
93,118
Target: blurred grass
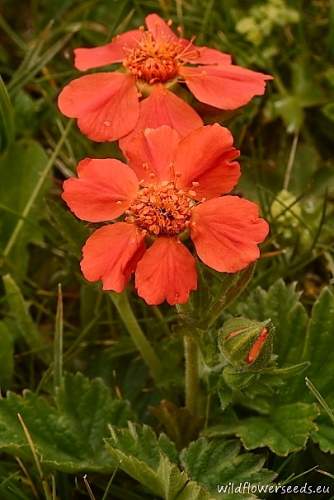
286,141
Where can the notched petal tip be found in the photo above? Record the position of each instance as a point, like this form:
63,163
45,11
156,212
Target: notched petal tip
159,28
106,105
205,157
226,232
240,84
166,272
110,53
111,254
103,190
148,155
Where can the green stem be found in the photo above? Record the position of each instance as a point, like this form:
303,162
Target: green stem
191,354
58,343
123,307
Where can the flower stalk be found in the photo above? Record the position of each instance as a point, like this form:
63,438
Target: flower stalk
122,304
192,385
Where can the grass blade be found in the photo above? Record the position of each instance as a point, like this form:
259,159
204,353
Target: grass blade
36,191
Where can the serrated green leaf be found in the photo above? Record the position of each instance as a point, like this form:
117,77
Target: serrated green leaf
151,461
324,436
142,443
70,435
318,345
316,349
259,392
284,430
300,340
220,462
194,491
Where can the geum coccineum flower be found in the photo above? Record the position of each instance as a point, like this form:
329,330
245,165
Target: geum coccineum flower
107,104
170,189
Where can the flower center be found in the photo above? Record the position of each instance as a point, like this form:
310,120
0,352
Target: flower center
161,209
153,61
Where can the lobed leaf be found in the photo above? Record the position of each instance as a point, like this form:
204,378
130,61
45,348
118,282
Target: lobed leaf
144,456
318,345
152,462
70,435
220,462
302,340
324,435
284,430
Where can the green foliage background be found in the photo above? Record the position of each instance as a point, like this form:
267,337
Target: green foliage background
75,377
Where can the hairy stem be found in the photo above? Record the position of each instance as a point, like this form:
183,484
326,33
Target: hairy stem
191,354
124,309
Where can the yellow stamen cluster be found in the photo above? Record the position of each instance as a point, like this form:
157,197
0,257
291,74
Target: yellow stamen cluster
154,61
161,210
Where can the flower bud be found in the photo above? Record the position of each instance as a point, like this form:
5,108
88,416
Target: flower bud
246,344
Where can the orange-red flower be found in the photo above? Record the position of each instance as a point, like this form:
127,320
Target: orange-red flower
170,189
107,105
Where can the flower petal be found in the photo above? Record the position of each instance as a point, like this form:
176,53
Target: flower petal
166,272
106,105
159,28
103,190
204,163
111,254
148,155
226,232
224,86
87,58
206,55
163,107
